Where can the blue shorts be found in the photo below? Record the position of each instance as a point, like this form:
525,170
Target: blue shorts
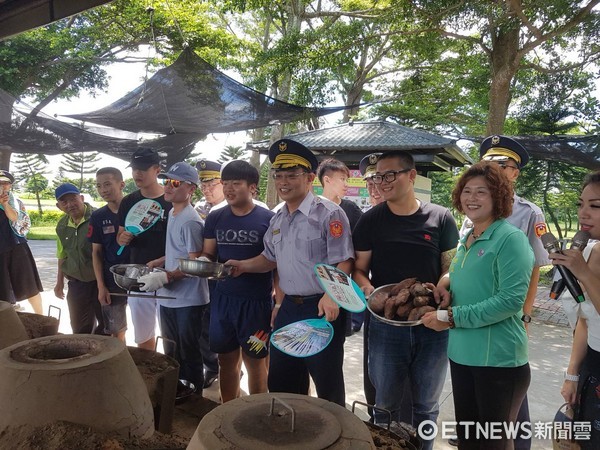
239,322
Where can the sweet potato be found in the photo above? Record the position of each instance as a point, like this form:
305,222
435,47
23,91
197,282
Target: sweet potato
402,297
418,289
417,313
421,300
403,311
404,284
377,302
389,311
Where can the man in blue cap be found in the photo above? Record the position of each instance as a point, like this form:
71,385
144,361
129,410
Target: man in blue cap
74,253
181,318
512,157
305,231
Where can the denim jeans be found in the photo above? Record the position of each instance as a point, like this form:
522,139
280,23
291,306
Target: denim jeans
418,353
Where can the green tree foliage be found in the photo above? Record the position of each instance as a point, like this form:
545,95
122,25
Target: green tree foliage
80,164
553,185
231,153
31,166
491,47
61,59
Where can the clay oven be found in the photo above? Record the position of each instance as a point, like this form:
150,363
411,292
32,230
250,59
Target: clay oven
84,379
281,420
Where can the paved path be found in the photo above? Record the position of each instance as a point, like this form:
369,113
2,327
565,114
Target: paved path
550,344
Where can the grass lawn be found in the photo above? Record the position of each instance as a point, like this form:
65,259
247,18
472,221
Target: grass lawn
44,233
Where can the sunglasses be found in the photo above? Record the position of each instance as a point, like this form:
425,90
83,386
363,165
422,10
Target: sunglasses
174,183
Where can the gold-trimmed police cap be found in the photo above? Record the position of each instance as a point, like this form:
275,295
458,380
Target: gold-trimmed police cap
6,177
208,170
287,154
501,148
368,165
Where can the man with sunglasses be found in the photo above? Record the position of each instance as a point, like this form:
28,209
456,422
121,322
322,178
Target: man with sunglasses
181,318
512,157
305,231
146,246
398,239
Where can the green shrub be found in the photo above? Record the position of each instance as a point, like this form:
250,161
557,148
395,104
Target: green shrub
48,218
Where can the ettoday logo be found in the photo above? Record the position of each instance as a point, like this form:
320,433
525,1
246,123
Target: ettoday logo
578,431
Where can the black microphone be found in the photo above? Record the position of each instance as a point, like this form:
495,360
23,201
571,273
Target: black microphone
579,241
552,246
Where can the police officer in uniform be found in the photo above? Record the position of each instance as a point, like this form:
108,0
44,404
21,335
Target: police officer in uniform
512,157
211,187
368,168
305,231
209,173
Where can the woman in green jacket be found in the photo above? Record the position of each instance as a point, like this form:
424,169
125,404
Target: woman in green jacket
488,280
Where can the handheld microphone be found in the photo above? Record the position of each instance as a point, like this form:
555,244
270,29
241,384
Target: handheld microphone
579,241
552,246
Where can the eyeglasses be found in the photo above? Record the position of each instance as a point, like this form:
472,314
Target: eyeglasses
279,176
174,183
208,185
389,176
506,166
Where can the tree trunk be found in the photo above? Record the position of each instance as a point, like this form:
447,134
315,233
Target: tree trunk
295,9
353,97
546,204
5,120
504,63
39,202
256,135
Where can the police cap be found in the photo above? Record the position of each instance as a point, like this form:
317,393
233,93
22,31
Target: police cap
368,165
287,154
208,170
501,148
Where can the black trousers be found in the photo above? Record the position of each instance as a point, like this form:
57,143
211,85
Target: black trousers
184,327
487,395
84,308
291,374
211,359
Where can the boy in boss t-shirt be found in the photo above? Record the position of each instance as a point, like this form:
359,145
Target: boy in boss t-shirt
241,306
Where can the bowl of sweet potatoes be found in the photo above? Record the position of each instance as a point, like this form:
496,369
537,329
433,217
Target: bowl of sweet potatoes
401,304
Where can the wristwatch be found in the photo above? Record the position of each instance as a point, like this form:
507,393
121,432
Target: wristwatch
526,318
570,377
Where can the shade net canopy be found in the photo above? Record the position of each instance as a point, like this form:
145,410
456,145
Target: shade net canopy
581,151
191,96
22,133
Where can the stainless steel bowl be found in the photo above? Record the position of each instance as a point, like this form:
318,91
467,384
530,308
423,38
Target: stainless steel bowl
126,275
204,269
397,323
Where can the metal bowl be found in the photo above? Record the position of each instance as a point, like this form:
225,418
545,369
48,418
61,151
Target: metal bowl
396,323
204,269
126,275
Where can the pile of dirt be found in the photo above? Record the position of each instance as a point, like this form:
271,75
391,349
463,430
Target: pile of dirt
384,439
37,325
65,435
